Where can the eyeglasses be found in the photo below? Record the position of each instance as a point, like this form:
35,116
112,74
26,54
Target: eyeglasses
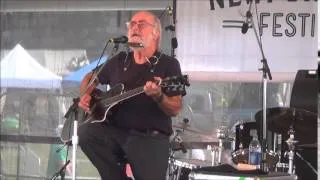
140,24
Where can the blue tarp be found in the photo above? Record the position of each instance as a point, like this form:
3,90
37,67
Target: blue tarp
73,79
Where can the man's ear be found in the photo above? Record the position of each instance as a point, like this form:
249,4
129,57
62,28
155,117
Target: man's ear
155,34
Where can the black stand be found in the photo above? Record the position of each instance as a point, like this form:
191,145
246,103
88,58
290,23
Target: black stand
172,27
73,109
61,172
265,73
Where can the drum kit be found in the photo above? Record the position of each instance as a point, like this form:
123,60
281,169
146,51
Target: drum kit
289,131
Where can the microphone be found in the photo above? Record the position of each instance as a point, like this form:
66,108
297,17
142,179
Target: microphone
245,25
135,45
124,40
119,40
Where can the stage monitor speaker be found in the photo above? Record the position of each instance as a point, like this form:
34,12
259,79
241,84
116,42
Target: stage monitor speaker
305,91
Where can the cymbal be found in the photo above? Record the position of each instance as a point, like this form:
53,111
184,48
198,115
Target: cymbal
185,127
280,119
307,146
190,134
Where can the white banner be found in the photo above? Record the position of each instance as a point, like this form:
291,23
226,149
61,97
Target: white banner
288,27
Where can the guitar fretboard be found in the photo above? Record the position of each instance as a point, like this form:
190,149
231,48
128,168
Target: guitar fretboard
123,96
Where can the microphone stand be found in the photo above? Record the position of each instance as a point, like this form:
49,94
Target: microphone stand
74,108
265,74
172,27
61,172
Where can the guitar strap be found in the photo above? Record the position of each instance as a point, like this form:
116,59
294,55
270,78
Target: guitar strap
152,61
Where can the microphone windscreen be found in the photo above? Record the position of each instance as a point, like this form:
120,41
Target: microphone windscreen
174,43
244,28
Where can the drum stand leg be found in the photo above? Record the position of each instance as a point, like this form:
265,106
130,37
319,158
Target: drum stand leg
291,154
220,151
291,144
213,154
221,134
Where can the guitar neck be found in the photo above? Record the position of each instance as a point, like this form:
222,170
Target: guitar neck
125,95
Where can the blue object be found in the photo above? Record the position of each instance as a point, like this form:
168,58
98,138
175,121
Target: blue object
74,78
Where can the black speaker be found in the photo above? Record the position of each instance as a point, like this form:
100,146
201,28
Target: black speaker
305,91
305,96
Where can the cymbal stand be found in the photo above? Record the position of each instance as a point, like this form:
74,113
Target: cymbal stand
277,145
241,136
213,150
291,145
221,135
171,167
307,163
174,171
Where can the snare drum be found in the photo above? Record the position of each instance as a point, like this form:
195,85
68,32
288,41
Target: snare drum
282,167
179,170
196,157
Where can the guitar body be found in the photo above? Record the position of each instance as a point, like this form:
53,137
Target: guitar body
100,110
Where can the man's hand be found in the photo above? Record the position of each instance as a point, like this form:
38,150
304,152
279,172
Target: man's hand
85,102
85,91
86,98
152,89
169,105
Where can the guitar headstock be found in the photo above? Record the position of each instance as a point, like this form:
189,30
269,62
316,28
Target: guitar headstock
175,84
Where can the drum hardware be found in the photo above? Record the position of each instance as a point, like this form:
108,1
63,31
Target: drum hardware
190,133
307,146
185,126
307,163
282,167
213,150
281,118
179,142
277,144
291,145
221,135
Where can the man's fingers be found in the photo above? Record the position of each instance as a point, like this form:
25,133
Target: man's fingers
85,102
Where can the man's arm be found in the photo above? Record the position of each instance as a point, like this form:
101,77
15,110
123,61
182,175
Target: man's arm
86,90
171,105
85,82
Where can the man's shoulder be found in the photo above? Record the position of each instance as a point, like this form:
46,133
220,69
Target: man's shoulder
168,58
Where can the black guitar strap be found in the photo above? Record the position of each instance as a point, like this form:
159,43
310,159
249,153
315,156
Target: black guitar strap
152,61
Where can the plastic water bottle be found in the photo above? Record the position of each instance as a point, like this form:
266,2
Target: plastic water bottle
254,151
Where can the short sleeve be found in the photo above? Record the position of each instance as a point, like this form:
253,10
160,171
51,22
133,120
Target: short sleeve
174,69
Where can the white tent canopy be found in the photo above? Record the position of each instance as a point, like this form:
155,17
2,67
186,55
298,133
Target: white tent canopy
20,70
